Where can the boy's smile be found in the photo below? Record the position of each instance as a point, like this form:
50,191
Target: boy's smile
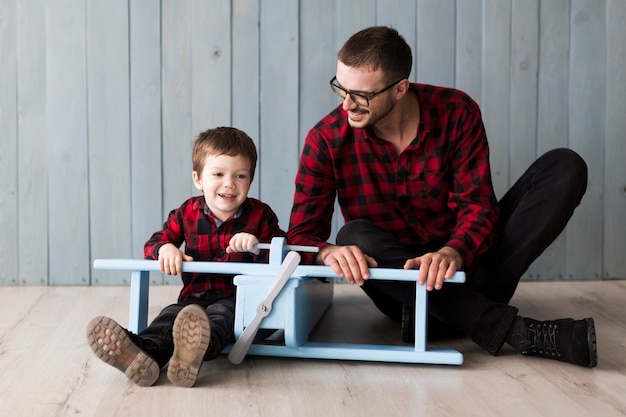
225,181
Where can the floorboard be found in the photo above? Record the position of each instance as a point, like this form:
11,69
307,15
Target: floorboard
48,369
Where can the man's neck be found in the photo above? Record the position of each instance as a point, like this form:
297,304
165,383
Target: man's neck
400,126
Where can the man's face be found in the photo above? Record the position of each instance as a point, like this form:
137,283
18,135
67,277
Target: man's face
366,83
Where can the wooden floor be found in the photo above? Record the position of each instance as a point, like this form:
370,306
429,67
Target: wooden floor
48,369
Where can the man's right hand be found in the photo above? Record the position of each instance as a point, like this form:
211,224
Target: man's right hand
348,262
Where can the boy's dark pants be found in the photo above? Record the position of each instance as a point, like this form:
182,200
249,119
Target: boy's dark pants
157,340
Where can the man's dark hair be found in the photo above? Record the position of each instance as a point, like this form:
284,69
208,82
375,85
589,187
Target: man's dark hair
378,48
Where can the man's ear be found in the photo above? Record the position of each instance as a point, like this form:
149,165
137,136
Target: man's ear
402,88
196,180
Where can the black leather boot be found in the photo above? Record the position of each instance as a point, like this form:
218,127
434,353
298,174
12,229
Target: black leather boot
567,340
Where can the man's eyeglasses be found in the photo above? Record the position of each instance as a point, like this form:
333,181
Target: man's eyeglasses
360,99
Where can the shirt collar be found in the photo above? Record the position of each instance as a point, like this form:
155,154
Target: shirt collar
201,205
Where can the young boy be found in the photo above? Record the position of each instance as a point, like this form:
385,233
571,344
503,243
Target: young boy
222,225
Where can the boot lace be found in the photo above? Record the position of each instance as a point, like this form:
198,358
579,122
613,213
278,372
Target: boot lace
543,339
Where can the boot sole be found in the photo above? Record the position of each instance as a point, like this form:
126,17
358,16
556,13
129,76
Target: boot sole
112,345
192,333
591,342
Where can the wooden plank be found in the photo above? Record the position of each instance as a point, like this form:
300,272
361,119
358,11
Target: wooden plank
318,49
108,96
67,133
245,57
31,154
176,104
352,16
210,60
524,68
176,87
400,15
552,116
615,144
524,85
554,29
145,124
469,48
8,145
496,88
279,108
436,26
587,86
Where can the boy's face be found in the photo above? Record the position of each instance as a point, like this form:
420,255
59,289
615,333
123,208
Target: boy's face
225,181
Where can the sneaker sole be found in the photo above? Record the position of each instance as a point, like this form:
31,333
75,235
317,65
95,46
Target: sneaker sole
111,344
591,342
192,333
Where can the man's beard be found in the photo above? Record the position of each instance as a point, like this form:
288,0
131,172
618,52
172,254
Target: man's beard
373,117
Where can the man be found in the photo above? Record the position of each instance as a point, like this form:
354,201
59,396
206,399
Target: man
409,165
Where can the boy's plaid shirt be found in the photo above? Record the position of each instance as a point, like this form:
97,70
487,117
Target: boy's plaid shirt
204,240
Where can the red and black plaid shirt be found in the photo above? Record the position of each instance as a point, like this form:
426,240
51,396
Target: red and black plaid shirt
193,224
437,192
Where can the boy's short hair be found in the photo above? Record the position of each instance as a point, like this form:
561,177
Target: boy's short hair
378,48
223,141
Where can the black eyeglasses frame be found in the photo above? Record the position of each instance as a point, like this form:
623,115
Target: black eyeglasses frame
337,89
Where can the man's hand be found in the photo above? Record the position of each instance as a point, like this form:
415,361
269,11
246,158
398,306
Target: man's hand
435,267
171,259
243,242
347,262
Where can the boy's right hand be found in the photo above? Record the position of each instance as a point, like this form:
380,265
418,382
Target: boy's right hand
243,242
171,259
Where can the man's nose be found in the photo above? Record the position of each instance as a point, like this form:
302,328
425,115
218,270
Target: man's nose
348,103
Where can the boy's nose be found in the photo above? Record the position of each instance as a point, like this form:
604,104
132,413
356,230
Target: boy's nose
229,182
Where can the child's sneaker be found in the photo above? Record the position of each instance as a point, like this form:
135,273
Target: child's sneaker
113,345
192,333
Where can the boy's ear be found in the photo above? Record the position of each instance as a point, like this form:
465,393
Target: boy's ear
196,180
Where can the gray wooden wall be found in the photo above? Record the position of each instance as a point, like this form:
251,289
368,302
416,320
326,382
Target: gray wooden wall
101,100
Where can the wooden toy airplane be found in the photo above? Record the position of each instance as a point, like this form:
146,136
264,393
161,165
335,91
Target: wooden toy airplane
285,296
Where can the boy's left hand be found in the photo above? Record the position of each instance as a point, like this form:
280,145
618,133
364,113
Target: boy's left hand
243,242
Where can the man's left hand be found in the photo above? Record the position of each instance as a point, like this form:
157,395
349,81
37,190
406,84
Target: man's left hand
435,267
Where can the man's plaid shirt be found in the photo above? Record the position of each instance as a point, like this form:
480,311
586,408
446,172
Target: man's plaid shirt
437,192
193,224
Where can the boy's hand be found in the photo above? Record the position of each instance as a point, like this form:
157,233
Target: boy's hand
171,259
243,242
